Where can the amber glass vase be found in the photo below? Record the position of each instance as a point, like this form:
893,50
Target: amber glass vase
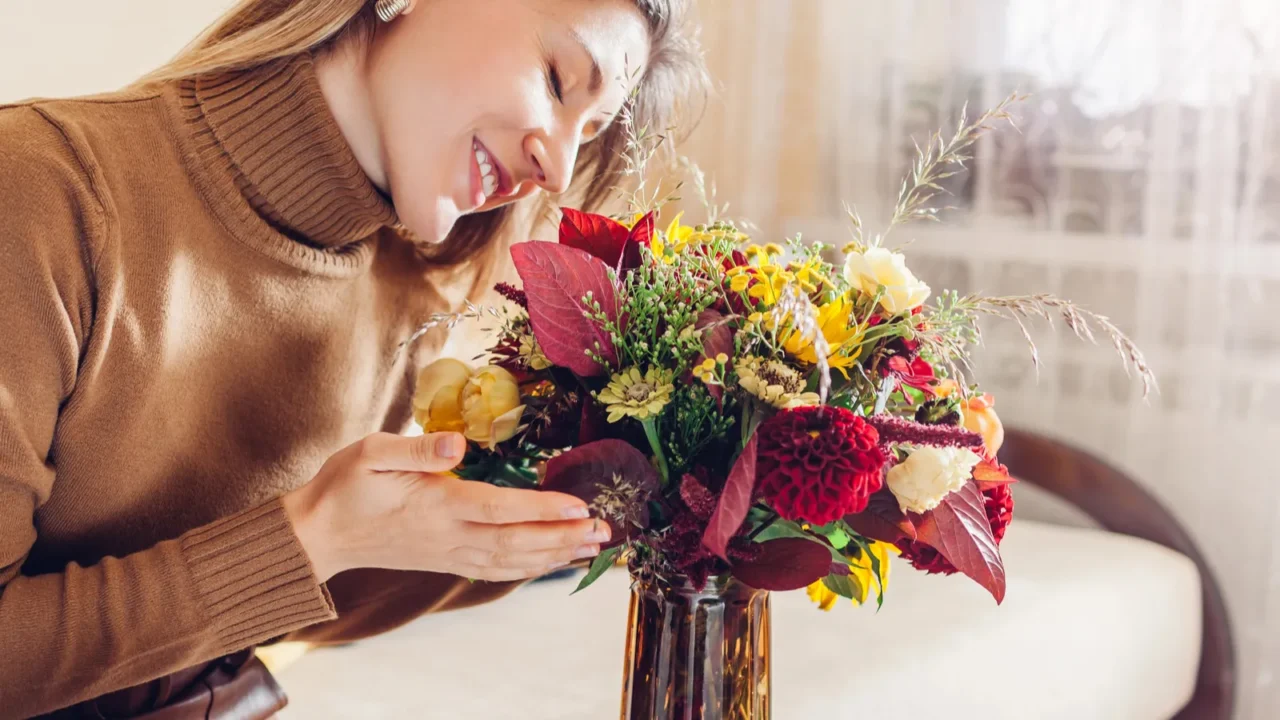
696,655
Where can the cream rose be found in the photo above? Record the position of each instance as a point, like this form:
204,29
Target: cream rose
437,395
877,267
491,406
929,474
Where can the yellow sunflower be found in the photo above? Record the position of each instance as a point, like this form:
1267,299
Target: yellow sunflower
861,575
844,337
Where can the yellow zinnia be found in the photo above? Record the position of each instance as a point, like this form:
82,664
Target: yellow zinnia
862,576
631,394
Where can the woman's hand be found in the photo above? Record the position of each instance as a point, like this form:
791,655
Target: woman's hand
383,502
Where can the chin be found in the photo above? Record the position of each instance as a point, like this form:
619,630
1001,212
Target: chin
430,226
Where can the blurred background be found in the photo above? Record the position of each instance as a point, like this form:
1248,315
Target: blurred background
1145,183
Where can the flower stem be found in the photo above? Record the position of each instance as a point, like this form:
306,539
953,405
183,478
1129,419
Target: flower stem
773,518
651,432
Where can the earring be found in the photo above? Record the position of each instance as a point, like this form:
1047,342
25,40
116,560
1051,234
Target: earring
388,10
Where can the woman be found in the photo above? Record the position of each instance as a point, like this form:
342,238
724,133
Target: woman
206,281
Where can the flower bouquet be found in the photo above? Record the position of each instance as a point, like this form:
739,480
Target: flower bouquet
749,418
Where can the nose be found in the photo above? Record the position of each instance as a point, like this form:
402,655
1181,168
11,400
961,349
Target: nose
552,162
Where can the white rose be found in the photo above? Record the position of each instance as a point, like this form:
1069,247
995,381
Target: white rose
878,267
929,474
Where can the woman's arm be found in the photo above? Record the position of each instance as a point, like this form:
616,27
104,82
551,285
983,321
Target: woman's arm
85,631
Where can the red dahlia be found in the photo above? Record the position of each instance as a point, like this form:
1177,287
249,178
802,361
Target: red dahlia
818,464
999,507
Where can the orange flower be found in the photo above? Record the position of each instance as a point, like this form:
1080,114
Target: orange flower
979,415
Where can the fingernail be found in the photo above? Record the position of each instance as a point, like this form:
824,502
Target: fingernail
557,566
599,534
449,445
577,512
587,551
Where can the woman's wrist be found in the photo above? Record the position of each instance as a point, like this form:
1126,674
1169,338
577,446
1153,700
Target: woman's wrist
302,516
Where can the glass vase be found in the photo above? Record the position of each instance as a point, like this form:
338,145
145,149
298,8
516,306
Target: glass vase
696,655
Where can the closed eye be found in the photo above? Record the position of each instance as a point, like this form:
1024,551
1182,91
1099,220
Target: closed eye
553,82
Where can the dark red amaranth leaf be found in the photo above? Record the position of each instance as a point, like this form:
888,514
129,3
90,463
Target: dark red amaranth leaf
735,501
883,519
960,531
611,474
556,279
512,293
697,497
894,429
785,564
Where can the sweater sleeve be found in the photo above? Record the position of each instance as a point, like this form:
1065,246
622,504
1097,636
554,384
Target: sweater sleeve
87,630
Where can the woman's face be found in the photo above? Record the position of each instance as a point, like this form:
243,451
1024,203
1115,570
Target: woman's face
478,103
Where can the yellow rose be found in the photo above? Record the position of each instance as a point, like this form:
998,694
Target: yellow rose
980,416
491,406
878,267
437,396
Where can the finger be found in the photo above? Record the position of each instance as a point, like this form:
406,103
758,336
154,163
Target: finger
430,453
530,537
492,574
540,561
481,503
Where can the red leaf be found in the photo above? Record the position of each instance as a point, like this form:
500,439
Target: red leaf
785,564
735,501
604,238
990,473
959,530
613,465
641,232
556,278
883,519
717,336
917,373
715,340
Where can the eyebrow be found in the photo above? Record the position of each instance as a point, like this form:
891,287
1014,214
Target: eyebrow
597,76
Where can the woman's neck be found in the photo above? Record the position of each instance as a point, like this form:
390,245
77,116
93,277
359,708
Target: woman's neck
342,73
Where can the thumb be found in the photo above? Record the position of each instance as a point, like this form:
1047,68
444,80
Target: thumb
430,453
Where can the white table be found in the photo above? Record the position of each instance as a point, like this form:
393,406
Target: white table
1094,626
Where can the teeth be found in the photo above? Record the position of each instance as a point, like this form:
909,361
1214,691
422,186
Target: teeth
488,173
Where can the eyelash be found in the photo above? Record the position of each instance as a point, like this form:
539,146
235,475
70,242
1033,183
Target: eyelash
553,82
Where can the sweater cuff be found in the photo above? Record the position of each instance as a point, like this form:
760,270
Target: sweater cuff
253,577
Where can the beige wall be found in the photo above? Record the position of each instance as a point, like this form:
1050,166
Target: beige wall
52,48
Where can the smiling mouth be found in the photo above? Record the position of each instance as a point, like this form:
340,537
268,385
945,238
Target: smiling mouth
494,182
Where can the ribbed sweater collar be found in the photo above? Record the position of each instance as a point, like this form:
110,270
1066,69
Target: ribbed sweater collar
269,131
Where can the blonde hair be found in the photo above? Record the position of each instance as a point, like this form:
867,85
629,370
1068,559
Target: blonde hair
255,32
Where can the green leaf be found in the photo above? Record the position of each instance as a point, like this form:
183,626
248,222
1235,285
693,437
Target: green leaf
843,585
789,528
781,529
875,569
835,534
603,562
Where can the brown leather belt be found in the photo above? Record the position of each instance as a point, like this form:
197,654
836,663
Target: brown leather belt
235,687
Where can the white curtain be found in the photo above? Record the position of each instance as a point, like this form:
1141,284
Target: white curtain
1145,184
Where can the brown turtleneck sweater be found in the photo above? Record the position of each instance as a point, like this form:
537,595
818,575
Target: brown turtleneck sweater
201,299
